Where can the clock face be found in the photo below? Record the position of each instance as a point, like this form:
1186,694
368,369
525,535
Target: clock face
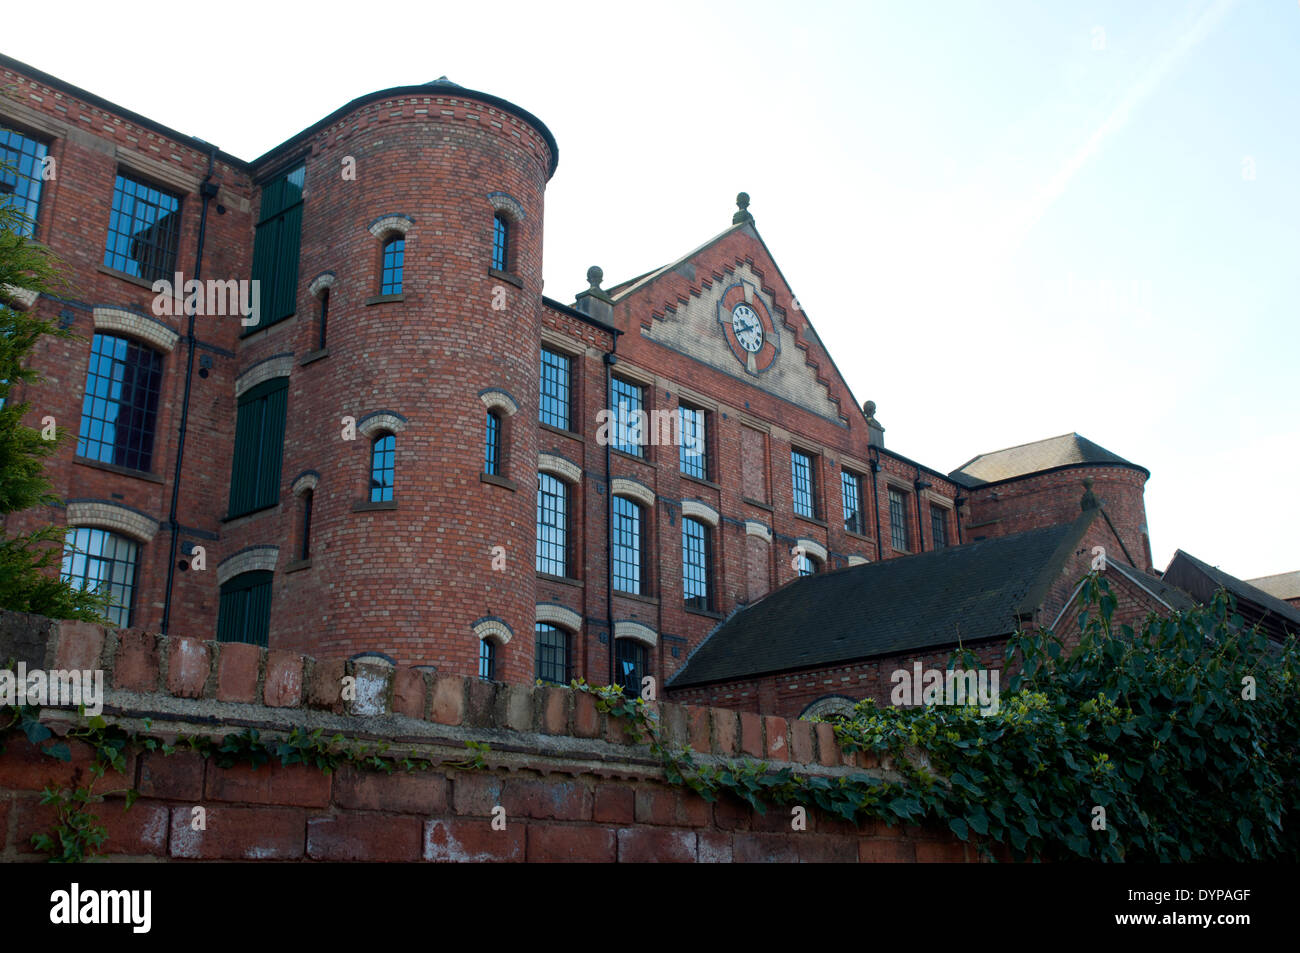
747,327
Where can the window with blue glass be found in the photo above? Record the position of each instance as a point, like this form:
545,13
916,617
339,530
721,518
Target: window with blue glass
694,442
939,525
898,535
554,404
851,490
120,407
631,665
105,562
143,230
394,259
804,484
552,653
487,660
628,542
552,525
697,564
500,242
492,444
808,565
628,406
22,164
383,468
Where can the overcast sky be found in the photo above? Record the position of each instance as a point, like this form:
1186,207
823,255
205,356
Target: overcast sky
1006,220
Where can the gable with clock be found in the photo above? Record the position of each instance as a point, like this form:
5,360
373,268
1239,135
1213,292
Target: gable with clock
748,327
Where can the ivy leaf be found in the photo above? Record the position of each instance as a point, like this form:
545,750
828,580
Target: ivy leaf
959,828
59,751
35,731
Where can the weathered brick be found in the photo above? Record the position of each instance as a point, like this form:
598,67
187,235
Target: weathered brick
475,794
448,700
726,731
325,685
881,851
697,721
299,785
237,671
765,848
751,734
139,831
240,833
615,804
555,710
801,742
671,807
188,665
420,792
828,752
135,668
586,719
177,777
461,840
81,645
283,687
584,843
714,848
940,852
373,837
545,798
775,730
642,845
408,693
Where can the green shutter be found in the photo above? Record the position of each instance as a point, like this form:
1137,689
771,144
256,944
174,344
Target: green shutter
259,447
244,613
243,474
272,450
275,248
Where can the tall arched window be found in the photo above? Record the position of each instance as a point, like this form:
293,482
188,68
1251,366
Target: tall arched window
305,548
552,653
103,561
500,242
552,525
808,565
697,564
394,257
487,660
120,407
383,468
492,444
631,665
629,538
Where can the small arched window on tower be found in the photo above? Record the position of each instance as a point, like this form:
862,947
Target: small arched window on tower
305,543
500,242
394,258
487,660
492,444
383,468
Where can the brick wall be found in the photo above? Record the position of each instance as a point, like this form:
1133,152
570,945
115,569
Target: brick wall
571,786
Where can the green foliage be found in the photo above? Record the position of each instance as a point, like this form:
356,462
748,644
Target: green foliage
28,582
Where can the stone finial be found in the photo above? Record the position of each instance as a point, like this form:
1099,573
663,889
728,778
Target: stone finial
1089,500
869,408
595,275
742,202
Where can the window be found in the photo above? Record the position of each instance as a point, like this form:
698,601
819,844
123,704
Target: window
627,546
383,468
631,665
324,317
487,660
492,444
305,551
103,561
628,417
898,519
851,488
808,565
939,525
244,613
22,161
394,256
275,247
142,230
694,448
259,445
120,408
805,487
552,654
552,525
553,407
500,242
697,564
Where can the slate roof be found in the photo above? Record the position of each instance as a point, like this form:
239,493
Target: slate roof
1201,580
1285,585
1066,450
929,600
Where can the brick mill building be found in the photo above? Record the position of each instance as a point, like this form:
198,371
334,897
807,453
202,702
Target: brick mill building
405,455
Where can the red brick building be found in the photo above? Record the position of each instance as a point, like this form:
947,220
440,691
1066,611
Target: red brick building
370,432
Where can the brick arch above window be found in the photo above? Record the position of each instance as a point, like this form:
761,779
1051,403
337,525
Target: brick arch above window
322,283
632,490
701,511
261,558
277,365
636,632
558,466
104,514
829,705
507,205
380,421
498,399
556,614
305,481
755,528
387,225
858,560
812,548
492,627
132,325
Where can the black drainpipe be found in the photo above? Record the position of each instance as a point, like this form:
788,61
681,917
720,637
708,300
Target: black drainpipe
208,191
958,502
920,523
610,360
875,502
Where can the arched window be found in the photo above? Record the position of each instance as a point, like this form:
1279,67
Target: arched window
631,665
552,653
244,612
629,539
305,549
552,525
103,561
394,256
500,242
120,407
808,565
492,444
697,564
383,468
487,660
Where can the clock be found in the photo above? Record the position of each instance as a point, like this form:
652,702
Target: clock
748,328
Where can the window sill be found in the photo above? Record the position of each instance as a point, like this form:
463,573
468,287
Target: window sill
231,517
133,279
263,326
507,277
701,481
114,468
649,600
564,580
571,434
498,481
761,506
384,299
708,613
810,519
297,564
311,356
857,535
365,506
901,552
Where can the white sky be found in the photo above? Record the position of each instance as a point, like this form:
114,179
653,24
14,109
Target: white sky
1006,220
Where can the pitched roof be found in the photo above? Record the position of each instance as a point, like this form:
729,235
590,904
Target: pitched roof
1066,450
1284,585
1166,592
933,599
1202,580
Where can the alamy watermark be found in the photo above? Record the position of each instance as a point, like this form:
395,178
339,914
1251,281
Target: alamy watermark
954,686
626,427
212,297
53,689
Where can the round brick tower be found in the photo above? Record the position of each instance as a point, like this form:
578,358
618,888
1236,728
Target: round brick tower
420,577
